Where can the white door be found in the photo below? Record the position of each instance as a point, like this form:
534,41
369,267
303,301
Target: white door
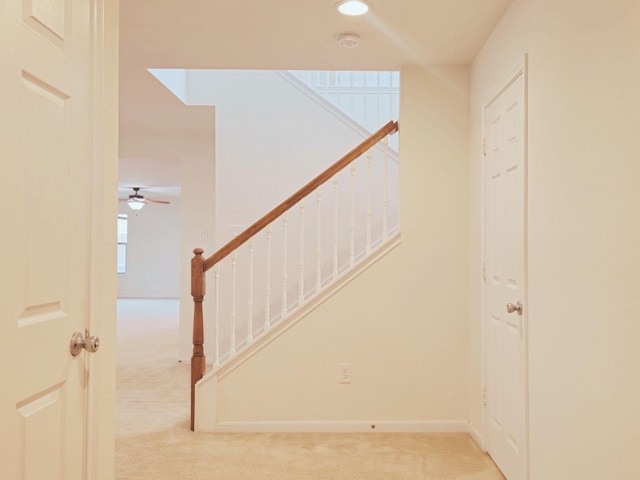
46,160
504,256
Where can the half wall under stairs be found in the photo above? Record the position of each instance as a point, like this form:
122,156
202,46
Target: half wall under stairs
286,265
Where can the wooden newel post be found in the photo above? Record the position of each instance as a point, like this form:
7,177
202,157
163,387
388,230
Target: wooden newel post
198,359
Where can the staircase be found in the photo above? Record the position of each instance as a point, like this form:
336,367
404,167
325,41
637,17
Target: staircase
296,256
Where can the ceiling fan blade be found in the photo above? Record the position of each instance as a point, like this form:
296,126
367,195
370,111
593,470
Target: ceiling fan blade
136,197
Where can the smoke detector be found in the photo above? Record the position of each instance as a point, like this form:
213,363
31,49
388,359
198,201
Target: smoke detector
348,40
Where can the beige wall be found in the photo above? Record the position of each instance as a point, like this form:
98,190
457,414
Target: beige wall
584,230
153,251
271,139
402,324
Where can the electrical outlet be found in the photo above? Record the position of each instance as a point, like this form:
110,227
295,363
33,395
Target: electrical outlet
345,373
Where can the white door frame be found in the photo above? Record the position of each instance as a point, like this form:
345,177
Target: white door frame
521,69
100,403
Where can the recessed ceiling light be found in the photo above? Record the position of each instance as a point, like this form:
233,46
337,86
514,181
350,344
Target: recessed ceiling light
353,7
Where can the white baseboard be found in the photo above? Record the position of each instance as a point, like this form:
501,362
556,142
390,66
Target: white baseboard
355,426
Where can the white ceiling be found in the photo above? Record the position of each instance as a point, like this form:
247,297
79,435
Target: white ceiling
279,34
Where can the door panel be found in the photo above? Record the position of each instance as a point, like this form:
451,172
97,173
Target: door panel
47,18
504,261
46,160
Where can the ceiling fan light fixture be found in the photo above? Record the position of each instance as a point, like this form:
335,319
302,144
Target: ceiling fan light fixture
135,204
137,201
353,7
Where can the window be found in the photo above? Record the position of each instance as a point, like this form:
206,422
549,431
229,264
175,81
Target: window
122,243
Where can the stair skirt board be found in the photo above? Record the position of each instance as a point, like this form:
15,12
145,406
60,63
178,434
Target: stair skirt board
351,426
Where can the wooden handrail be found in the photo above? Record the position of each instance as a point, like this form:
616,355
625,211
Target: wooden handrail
240,239
199,265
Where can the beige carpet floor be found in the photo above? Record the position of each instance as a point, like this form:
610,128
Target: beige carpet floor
153,440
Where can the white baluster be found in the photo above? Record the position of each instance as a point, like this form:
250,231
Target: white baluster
351,93
285,266
234,258
335,227
391,94
352,220
301,272
339,89
365,112
318,240
216,315
378,122
369,157
267,304
385,215
250,313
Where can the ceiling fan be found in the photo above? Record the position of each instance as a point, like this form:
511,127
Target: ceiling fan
136,201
